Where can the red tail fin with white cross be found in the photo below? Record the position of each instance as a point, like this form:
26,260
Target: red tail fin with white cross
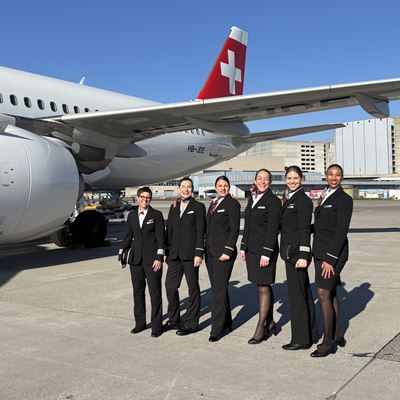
227,76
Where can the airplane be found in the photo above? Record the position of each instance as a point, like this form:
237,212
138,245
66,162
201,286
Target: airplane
58,138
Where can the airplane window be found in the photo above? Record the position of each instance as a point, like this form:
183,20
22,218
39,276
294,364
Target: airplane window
65,108
53,106
76,109
27,102
40,104
13,100
1,98
87,109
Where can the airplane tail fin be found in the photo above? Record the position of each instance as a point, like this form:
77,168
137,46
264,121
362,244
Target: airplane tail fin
227,76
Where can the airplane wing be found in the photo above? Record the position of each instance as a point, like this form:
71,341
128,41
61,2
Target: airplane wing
145,122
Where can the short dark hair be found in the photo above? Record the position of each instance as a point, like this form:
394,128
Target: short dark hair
294,168
263,170
222,178
185,178
335,166
144,189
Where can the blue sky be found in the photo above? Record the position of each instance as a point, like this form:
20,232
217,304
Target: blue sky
164,50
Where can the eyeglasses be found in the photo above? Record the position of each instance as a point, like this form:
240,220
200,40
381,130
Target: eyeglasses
145,197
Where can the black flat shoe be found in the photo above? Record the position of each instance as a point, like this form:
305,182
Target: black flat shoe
138,329
257,341
319,353
273,330
341,342
214,338
156,334
296,346
185,331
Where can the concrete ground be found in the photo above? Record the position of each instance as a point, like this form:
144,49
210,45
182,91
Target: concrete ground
65,318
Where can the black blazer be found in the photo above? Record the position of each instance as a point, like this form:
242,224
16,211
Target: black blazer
331,224
147,243
223,228
296,215
185,235
261,225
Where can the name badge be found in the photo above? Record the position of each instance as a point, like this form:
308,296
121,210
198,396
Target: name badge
328,206
262,207
220,210
190,212
150,221
290,206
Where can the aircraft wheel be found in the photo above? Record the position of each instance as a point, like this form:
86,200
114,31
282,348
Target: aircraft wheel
89,228
62,238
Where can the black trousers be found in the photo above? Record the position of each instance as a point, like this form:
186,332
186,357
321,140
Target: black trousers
219,273
301,305
176,270
139,275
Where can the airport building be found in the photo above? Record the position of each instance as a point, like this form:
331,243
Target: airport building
369,148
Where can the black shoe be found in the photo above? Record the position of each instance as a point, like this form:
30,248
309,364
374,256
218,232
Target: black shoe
273,330
138,329
214,338
185,331
170,326
319,353
156,333
341,342
296,346
257,341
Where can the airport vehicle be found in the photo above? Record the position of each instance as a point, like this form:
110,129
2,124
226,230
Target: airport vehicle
58,138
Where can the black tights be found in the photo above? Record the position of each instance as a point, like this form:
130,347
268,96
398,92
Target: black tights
265,310
329,304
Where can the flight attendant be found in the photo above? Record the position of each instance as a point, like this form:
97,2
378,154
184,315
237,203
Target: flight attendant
295,251
144,246
185,248
223,222
259,249
331,250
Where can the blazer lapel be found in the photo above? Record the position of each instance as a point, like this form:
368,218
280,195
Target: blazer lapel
148,216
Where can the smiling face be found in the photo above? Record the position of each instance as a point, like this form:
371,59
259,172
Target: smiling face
293,180
334,177
144,200
262,181
185,189
222,188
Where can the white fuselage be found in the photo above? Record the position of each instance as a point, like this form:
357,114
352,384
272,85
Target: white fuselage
164,157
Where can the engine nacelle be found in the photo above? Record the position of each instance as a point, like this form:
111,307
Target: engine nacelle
39,185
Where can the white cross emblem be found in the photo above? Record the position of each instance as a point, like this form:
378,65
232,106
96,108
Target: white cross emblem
231,72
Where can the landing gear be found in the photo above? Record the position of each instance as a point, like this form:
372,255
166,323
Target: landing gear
88,229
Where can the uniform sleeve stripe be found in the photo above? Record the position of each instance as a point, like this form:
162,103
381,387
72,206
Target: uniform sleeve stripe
199,248
160,252
230,248
331,255
267,248
305,248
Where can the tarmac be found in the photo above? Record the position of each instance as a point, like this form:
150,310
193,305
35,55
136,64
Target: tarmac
66,316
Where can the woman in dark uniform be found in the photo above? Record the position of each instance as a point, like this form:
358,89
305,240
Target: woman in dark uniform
223,222
295,250
144,245
185,247
331,250
259,249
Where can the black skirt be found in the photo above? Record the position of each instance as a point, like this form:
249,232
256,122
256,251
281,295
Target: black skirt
333,281
258,275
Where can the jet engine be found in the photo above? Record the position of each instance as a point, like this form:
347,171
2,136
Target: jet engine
39,185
